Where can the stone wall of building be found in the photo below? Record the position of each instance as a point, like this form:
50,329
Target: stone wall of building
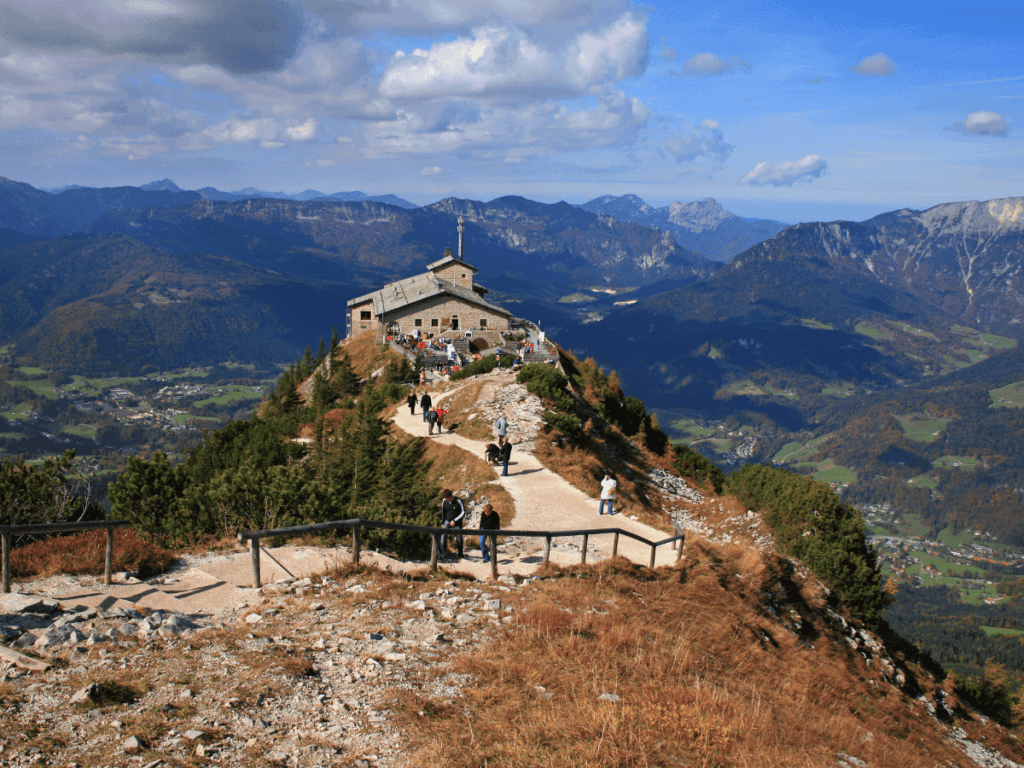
441,313
457,274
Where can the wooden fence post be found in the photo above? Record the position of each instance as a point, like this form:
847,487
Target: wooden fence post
108,570
654,550
254,557
547,550
356,544
615,545
5,545
586,540
679,554
435,549
494,557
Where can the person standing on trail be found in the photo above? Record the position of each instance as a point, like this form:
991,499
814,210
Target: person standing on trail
431,421
411,402
441,413
502,428
608,486
506,453
425,404
453,514
489,521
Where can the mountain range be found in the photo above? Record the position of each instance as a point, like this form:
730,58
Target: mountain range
703,226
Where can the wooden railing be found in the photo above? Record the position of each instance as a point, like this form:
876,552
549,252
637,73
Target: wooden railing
7,531
356,524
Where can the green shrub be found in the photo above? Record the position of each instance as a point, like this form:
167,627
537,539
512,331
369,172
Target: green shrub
485,365
810,523
697,467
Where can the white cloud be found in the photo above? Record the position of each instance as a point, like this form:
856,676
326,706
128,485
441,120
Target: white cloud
991,123
502,132
265,130
431,170
786,174
669,54
507,63
878,65
709,65
707,142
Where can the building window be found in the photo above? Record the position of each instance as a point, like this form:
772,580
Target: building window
483,322
433,322
418,322
364,315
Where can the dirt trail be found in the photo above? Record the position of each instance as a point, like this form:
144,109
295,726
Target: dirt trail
545,501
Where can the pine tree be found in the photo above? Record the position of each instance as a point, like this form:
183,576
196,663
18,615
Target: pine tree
346,380
334,338
321,352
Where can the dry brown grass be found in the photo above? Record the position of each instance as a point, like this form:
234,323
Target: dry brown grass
85,553
366,355
706,678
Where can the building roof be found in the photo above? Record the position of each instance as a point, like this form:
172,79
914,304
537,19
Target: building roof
404,293
447,260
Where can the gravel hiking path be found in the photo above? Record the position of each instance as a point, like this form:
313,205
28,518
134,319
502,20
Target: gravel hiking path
545,501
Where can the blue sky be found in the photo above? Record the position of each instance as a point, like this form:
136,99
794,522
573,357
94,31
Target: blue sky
794,111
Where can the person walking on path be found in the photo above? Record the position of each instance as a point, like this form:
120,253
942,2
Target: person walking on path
411,402
502,428
489,521
431,421
441,413
453,513
425,402
506,453
608,486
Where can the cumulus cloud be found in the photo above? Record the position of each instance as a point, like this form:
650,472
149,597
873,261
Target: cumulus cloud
504,62
512,132
706,142
991,123
431,170
268,132
785,174
878,65
709,65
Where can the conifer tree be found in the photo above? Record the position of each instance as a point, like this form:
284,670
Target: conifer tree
321,352
334,338
346,380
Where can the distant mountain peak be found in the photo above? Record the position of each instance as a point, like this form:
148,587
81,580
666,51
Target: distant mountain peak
164,185
698,216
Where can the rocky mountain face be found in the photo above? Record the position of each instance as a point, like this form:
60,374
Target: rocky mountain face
964,258
703,226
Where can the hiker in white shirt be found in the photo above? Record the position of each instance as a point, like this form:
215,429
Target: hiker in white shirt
608,486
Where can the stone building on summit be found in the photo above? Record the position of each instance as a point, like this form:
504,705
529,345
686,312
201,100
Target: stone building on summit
444,298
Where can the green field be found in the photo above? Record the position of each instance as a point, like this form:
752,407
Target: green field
922,430
234,393
13,435
40,388
873,333
999,342
81,430
576,298
714,353
844,390
27,370
818,326
963,463
923,481
17,412
1000,631
836,475
795,452
912,331
1010,396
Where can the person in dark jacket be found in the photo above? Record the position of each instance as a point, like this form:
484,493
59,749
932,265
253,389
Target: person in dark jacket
453,515
431,421
425,402
489,521
411,402
506,453
492,453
